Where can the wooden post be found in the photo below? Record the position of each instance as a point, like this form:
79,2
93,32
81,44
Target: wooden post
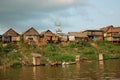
77,58
101,57
36,59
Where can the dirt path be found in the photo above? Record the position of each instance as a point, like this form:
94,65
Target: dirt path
95,46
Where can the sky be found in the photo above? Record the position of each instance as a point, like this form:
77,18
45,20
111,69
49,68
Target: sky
72,15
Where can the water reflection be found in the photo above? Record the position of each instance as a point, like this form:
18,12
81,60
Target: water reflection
107,70
36,73
101,66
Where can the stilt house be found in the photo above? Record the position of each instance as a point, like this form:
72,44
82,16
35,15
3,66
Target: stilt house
94,34
111,33
77,36
49,36
10,36
31,36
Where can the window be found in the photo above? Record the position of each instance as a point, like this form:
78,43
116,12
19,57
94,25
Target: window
31,39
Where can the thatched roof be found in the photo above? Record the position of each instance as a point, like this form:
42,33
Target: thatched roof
105,29
48,33
62,34
94,32
110,29
77,34
114,29
31,32
11,32
44,32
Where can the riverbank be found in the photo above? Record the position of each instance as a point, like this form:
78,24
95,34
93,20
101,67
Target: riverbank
21,53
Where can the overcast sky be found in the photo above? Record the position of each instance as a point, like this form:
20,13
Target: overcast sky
73,15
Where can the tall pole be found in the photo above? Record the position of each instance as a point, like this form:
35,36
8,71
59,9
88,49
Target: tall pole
58,25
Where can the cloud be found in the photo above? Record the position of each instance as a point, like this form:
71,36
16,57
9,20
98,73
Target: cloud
40,13
3,28
11,5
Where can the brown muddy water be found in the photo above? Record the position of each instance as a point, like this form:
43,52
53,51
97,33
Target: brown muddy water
109,70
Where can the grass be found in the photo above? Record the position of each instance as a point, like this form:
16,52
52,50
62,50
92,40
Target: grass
68,52
13,54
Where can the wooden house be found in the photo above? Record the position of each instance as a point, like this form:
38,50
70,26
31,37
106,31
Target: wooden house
63,37
77,36
94,34
49,36
31,36
10,36
111,33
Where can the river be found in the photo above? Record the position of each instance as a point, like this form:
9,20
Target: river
107,70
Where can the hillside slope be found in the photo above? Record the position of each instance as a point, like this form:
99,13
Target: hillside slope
22,53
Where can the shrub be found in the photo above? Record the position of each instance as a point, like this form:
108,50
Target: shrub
14,56
16,64
9,48
63,57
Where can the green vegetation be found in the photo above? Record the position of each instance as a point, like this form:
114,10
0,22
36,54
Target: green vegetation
109,49
17,54
54,52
